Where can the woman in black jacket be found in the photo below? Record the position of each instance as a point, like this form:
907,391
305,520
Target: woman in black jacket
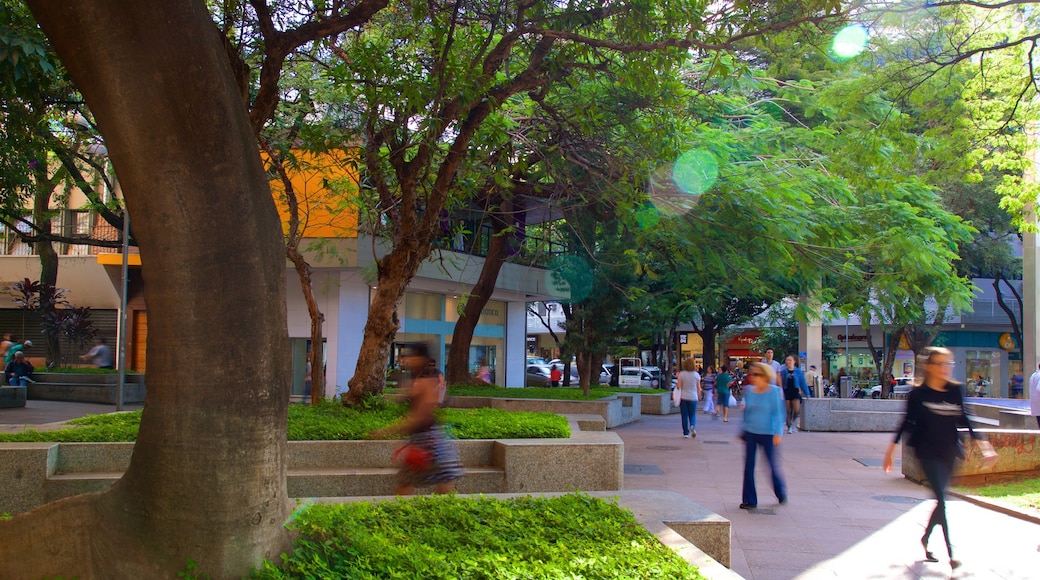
934,410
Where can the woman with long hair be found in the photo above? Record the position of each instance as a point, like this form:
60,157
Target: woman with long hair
934,410
689,384
763,407
792,380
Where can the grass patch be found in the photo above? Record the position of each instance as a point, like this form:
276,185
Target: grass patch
1020,493
84,371
448,537
328,421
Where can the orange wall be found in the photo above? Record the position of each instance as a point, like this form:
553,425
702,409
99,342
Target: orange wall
326,189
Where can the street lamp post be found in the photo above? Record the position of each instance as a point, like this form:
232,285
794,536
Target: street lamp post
122,310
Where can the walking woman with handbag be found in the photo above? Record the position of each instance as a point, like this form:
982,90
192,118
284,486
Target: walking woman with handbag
934,410
428,458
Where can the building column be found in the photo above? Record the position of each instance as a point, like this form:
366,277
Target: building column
354,300
1030,255
515,346
810,337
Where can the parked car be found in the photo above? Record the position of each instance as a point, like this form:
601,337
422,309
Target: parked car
537,360
558,364
538,376
605,373
899,391
638,376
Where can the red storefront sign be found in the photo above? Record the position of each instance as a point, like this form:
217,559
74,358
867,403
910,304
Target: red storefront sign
740,345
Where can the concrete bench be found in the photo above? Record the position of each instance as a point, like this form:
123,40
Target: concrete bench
11,397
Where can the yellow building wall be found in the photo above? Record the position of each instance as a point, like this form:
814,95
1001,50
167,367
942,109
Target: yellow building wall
326,187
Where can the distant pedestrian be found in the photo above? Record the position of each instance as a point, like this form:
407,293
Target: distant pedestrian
16,347
708,388
433,371
5,344
794,387
815,382
100,355
19,371
763,427
483,372
722,390
934,410
773,364
1034,395
555,376
689,383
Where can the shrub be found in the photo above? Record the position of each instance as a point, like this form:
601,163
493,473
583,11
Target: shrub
447,536
555,393
327,421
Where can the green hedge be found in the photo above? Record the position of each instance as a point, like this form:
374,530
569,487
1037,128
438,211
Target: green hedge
555,393
328,421
450,537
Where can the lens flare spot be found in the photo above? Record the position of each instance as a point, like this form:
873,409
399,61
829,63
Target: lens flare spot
647,216
695,171
569,279
850,41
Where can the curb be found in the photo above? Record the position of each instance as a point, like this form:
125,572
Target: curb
1000,508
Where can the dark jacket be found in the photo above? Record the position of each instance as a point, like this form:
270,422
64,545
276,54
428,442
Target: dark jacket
19,369
932,418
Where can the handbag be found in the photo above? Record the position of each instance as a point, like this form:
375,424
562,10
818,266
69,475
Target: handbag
676,396
413,457
732,401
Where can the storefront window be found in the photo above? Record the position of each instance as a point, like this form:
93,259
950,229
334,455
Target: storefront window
981,367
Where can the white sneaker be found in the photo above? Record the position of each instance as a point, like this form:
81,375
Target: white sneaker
790,429
685,436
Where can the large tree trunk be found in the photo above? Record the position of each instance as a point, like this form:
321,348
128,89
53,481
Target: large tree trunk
457,367
396,270
48,258
207,480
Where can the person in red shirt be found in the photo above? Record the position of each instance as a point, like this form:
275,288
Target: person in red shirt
555,375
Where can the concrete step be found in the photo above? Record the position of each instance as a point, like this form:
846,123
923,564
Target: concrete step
345,482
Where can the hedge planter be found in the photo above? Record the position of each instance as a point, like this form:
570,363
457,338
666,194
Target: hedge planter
86,387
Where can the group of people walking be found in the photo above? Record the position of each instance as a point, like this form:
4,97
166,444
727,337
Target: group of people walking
935,410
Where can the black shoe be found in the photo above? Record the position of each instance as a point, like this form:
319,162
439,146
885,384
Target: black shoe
783,500
748,506
928,556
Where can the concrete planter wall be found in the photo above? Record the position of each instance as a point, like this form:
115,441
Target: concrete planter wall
1018,450
86,388
855,415
657,403
11,397
32,474
616,410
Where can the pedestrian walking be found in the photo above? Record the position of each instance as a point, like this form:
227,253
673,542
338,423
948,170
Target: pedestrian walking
934,410
429,458
1034,395
773,364
16,347
689,383
763,427
722,391
794,386
708,388
100,355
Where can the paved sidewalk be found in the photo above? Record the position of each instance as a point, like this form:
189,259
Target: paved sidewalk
845,519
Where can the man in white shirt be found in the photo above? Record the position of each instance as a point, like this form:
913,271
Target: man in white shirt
777,367
815,381
1034,395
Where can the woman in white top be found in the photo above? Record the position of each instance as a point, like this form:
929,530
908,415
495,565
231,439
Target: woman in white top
689,384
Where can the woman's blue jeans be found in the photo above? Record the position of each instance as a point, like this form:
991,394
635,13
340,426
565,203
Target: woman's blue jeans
688,412
752,441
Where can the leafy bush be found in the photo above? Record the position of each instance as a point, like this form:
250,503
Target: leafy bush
447,536
328,421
